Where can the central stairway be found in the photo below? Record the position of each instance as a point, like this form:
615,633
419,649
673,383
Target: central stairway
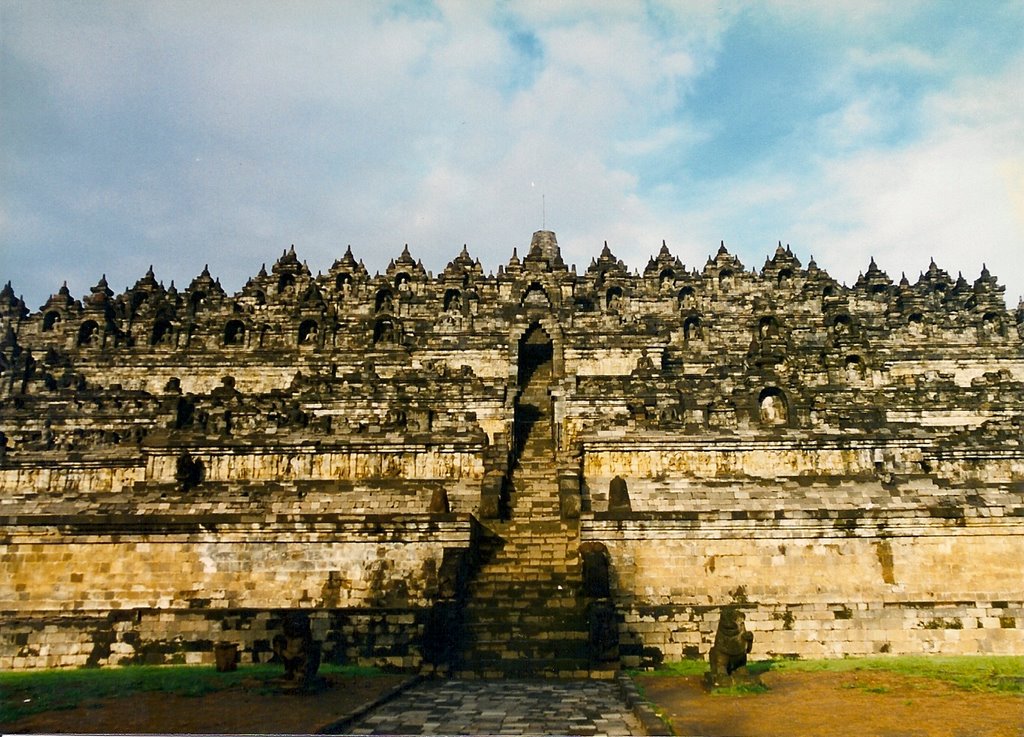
526,614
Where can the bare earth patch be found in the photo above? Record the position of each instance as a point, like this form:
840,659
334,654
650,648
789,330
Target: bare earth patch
856,704
798,704
248,708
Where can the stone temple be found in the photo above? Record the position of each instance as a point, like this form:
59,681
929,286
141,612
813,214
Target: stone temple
531,472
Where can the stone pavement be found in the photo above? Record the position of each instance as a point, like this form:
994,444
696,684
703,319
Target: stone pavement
507,706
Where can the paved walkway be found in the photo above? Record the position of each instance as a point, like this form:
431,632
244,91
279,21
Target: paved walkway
486,707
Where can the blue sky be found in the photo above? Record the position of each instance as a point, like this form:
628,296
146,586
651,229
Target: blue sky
184,133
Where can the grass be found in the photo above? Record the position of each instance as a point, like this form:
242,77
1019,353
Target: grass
980,673
740,689
984,673
29,692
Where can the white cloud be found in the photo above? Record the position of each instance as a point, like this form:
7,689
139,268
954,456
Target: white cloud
849,16
898,57
325,123
955,194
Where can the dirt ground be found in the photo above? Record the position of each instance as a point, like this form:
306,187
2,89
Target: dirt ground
863,704
247,708
797,705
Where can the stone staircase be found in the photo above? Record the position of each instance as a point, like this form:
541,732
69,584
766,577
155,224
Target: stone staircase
526,612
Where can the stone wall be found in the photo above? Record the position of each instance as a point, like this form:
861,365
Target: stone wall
381,637
900,584
112,590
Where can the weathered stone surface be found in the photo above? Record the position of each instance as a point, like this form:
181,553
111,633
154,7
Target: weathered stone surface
845,463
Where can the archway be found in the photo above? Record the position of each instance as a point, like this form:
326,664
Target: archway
533,412
536,354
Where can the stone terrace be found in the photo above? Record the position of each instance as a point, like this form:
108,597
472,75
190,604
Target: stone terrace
426,464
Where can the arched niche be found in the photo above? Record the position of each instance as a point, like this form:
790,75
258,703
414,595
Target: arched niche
693,328
384,301
773,408
50,320
854,367
285,283
343,283
726,279
767,327
403,281
841,324
163,333
88,333
453,300
234,333
309,330
613,299
991,324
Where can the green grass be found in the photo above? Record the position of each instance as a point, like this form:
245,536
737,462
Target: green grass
29,692
740,689
983,673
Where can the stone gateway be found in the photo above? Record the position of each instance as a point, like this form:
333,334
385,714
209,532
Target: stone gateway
420,465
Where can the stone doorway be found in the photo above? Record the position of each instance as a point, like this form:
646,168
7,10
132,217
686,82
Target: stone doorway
533,412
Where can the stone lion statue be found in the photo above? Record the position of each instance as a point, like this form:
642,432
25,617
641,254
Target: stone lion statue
732,644
297,650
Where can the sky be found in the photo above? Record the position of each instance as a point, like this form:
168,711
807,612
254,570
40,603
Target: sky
221,132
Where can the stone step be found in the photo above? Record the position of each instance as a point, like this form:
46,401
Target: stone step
528,589
521,648
558,529
516,549
533,502
532,577
524,477
497,643
503,621
569,628
509,554
547,668
520,543
531,493
514,609
535,570
544,532
526,614
520,547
